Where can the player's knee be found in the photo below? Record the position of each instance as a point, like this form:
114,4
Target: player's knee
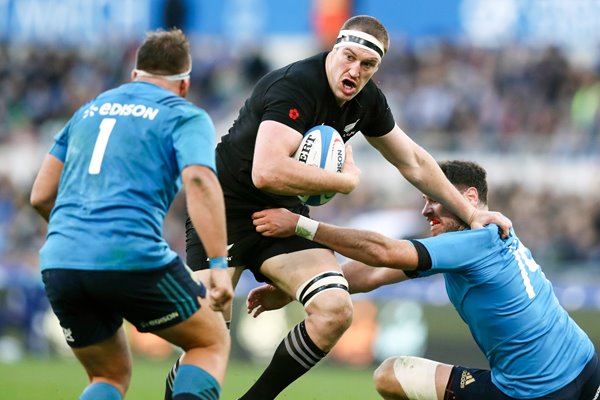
327,302
332,312
385,381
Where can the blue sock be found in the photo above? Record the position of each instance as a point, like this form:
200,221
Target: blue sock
192,382
101,391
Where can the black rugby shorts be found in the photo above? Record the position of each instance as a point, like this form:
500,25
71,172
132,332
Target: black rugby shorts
91,305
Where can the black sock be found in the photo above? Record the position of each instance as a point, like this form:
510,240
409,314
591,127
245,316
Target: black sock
294,356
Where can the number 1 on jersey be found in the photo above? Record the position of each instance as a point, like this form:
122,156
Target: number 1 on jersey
106,128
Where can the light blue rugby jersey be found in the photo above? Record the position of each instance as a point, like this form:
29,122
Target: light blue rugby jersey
533,346
123,153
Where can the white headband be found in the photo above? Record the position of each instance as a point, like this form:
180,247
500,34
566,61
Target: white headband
360,39
175,77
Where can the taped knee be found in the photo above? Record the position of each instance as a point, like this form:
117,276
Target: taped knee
320,283
417,377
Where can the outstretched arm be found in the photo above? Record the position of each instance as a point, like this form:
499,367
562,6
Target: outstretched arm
365,246
422,171
361,278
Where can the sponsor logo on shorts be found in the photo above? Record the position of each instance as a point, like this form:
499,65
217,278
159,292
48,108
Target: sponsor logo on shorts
161,320
68,335
466,379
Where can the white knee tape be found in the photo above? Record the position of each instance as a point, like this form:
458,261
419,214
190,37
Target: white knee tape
417,377
320,283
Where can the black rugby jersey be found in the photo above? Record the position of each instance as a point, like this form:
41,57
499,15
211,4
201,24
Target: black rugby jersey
298,96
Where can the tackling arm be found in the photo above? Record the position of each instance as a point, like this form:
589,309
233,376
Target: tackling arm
363,278
365,246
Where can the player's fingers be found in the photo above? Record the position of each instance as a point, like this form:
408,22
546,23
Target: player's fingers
218,303
505,232
215,306
258,311
348,149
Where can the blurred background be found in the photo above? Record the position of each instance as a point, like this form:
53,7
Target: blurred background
511,84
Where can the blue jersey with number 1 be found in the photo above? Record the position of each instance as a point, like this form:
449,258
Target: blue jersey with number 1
533,346
123,153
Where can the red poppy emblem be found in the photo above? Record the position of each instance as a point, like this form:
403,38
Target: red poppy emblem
294,114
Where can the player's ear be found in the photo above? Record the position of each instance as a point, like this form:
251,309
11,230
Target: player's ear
472,194
184,86
133,74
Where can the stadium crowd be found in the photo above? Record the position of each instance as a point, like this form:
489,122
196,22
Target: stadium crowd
448,97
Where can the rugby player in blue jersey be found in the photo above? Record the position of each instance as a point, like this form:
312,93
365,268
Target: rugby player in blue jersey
534,349
105,188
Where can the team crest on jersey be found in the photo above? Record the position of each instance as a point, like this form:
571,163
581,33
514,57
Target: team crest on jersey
349,130
294,114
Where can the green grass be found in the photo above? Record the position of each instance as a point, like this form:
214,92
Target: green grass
449,341
60,379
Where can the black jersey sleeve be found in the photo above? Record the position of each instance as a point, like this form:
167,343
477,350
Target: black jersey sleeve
379,118
289,103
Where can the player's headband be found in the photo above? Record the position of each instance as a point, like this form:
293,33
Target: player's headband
360,39
175,77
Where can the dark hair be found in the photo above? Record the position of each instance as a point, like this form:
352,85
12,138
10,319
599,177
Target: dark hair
164,53
466,174
370,25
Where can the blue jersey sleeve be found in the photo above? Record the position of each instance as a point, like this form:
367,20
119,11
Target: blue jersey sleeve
462,250
194,140
59,148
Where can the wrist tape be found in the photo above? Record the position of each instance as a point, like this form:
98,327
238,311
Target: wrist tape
306,228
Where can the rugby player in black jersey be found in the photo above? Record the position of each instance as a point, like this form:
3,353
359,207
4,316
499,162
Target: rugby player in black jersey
257,171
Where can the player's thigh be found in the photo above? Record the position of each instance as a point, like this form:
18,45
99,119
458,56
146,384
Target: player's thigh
205,328
291,270
203,275
109,359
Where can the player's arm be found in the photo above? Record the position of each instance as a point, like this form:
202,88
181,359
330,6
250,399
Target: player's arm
206,208
423,172
276,171
364,278
45,186
361,278
368,247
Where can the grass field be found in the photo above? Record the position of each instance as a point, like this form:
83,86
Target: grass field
449,341
63,379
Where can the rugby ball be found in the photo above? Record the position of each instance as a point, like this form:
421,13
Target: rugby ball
323,147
